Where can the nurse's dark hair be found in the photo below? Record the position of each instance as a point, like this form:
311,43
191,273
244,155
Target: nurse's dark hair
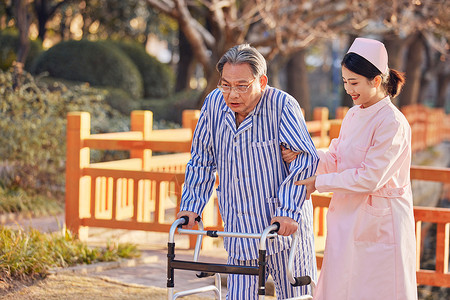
244,54
391,82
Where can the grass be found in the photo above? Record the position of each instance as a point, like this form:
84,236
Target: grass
30,254
75,287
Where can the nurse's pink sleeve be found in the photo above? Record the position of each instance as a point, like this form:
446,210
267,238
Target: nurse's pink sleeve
327,159
390,151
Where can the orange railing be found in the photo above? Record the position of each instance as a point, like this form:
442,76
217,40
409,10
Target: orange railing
134,193
143,192
429,126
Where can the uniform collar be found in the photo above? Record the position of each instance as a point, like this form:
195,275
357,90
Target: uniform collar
375,107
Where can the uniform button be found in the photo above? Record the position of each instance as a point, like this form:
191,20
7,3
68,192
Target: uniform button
390,193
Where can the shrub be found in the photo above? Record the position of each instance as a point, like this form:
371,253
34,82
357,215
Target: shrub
9,45
32,122
171,108
29,254
158,78
92,62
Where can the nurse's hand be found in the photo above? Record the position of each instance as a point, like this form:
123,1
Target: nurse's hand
309,183
287,225
191,215
288,155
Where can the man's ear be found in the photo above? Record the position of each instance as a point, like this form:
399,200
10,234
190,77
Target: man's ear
263,82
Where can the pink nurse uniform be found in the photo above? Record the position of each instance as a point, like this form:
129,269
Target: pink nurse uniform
370,243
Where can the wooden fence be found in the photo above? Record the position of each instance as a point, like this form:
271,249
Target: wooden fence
143,192
429,126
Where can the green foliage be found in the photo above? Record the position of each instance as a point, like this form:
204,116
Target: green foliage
32,122
9,45
119,100
92,62
171,108
17,200
28,254
158,78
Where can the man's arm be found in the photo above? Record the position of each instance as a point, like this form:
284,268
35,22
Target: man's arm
294,134
200,171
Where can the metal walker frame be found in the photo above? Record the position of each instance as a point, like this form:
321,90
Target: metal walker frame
214,269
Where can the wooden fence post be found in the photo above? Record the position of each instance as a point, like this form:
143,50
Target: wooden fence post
143,121
341,111
190,118
321,114
77,186
335,125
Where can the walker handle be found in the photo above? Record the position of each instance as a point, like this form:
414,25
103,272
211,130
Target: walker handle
276,229
186,220
302,280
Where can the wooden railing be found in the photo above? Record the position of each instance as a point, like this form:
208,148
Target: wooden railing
143,192
133,193
429,126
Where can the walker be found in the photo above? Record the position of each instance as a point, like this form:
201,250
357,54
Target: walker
214,269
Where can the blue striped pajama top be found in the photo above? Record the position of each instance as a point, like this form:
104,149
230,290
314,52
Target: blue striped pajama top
255,184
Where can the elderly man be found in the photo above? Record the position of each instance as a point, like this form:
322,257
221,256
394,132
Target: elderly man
243,124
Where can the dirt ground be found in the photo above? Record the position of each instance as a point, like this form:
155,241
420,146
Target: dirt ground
75,287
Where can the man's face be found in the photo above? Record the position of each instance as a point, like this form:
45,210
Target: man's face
241,75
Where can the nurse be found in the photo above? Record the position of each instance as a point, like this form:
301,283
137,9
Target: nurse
370,244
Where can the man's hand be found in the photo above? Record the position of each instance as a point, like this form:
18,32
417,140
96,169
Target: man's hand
309,183
191,215
288,155
287,225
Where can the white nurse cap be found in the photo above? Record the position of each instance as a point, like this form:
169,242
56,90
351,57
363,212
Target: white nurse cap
372,50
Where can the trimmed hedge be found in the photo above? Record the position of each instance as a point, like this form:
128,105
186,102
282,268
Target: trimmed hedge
158,78
92,62
9,45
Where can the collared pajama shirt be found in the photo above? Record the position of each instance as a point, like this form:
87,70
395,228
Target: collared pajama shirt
254,182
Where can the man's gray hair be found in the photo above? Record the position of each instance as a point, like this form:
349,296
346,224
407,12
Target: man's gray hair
244,54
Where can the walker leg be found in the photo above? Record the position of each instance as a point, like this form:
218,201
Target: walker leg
218,283
170,294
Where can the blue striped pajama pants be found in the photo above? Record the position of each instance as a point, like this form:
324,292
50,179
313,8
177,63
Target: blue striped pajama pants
245,287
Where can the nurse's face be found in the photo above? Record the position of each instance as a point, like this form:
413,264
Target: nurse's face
363,91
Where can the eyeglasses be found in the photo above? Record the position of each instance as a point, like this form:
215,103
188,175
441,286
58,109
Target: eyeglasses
241,88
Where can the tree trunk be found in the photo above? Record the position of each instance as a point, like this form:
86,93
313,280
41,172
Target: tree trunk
297,81
20,11
184,66
443,80
394,47
21,14
274,68
40,7
414,58
212,77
